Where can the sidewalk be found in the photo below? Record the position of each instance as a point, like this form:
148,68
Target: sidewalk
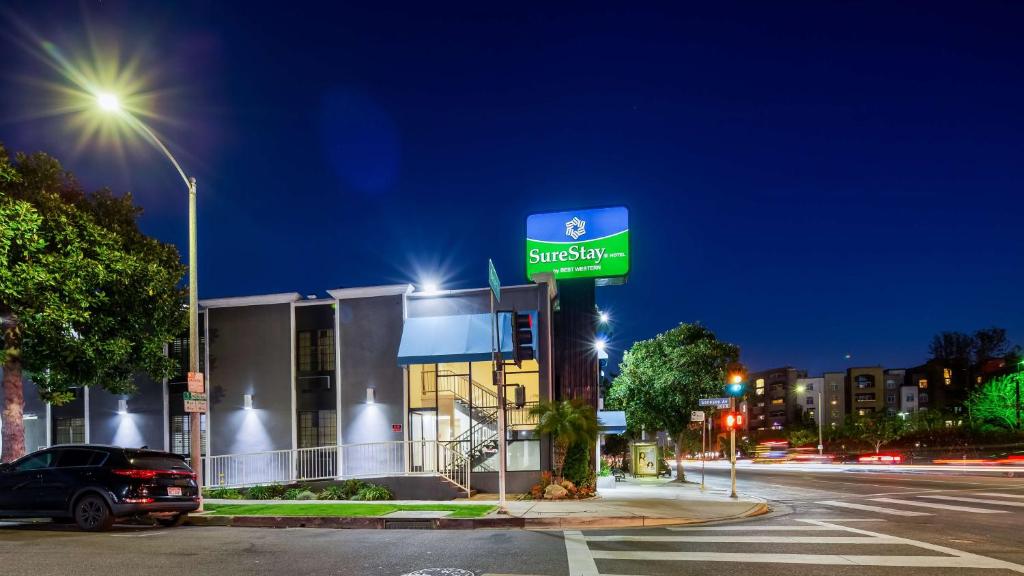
633,503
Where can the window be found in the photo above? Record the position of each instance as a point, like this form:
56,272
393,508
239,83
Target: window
778,401
810,387
759,386
305,351
922,397
922,383
865,397
890,384
325,344
834,402
77,457
864,381
318,428
181,434
835,386
35,462
68,430
890,399
810,401
910,398
947,376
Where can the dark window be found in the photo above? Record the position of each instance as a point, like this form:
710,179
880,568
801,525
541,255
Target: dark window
865,397
181,434
864,381
318,428
35,461
76,457
68,430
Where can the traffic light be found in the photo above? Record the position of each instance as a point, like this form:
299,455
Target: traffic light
732,420
735,383
520,400
522,337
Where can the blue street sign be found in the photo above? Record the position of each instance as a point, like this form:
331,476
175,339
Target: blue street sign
715,402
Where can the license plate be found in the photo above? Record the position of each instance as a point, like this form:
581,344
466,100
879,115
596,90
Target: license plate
173,491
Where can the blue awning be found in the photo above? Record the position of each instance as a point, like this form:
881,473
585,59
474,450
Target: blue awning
611,421
459,338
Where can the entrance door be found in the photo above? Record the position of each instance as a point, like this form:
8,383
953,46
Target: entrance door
423,433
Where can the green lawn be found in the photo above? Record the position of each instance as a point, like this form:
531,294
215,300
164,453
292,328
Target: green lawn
312,509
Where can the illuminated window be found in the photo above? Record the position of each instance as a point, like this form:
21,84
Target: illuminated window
922,383
834,402
947,376
778,401
759,386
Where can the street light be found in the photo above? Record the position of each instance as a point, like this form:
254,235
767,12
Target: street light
110,103
817,412
603,317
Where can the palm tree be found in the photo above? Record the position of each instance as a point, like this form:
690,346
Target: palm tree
567,422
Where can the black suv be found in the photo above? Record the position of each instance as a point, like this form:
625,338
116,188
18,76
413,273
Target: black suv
94,485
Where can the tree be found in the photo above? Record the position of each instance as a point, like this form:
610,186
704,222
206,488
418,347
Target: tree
661,380
995,403
955,348
879,429
86,299
801,437
992,343
568,422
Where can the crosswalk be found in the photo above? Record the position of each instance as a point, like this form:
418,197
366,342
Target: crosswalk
838,542
994,502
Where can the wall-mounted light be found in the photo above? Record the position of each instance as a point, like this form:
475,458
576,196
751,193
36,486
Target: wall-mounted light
371,396
600,345
122,406
247,400
29,417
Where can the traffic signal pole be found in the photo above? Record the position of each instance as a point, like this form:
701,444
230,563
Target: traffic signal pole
499,381
732,450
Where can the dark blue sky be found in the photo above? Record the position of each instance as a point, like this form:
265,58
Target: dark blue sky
809,179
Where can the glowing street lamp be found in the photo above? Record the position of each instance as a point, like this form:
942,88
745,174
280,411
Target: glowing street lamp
109,102
600,345
603,317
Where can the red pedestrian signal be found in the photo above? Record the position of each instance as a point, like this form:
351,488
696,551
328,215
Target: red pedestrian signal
732,420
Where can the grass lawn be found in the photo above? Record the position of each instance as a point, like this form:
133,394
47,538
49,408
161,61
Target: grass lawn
368,509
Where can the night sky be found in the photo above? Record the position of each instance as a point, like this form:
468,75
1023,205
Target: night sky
809,179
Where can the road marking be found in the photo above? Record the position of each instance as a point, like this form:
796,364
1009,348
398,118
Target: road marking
581,560
796,528
869,508
818,559
940,506
982,561
139,534
977,500
1000,494
747,539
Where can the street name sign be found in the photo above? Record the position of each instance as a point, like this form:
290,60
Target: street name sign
697,416
196,384
492,279
714,402
195,402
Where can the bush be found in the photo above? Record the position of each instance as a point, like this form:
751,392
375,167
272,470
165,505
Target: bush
223,493
577,464
293,493
332,493
265,492
373,492
306,495
352,487
606,468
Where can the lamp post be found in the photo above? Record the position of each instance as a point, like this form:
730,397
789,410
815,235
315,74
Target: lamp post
110,103
817,413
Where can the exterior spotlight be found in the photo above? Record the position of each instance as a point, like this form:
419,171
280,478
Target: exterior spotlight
603,317
247,400
108,102
371,396
122,406
430,287
600,345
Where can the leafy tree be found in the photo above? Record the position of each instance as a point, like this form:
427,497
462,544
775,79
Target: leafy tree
801,437
86,299
879,429
568,422
995,403
661,379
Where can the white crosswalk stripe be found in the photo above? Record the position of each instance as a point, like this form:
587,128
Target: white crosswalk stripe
584,561
975,500
939,506
869,508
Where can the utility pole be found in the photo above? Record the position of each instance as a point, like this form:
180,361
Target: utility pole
499,382
732,450
195,418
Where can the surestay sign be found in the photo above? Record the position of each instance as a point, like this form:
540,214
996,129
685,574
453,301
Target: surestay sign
590,243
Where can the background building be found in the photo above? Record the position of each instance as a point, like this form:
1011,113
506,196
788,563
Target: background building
772,403
835,398
866,390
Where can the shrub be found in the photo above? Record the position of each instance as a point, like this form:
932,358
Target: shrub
265,492
606,469
292,493
352,487
577,463
223,493
332,493
373,492
305,495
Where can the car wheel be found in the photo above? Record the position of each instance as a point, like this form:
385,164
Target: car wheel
93,514
172,521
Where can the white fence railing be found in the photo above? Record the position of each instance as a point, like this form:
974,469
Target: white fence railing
400,458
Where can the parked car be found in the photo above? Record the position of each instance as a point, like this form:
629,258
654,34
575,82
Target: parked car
93,485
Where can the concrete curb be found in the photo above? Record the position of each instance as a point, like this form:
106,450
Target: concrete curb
494,522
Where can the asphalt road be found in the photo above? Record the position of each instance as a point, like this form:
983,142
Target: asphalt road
840,524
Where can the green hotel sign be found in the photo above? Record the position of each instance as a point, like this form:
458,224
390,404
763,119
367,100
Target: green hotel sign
591,243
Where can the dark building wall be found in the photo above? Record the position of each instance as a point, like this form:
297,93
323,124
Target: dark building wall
371,331
35,428
576,374
141,426
250,353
